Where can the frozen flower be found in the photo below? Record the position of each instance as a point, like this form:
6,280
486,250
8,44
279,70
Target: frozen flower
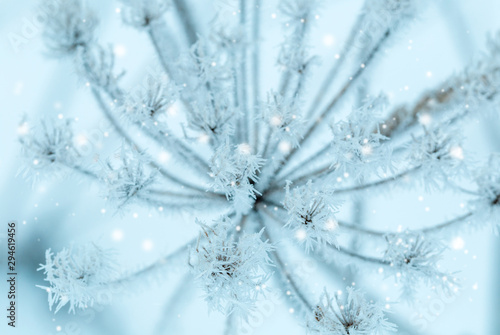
48,147
414,260
231,269
234,171
149,103
128,179
72,26
284,118
77,276
439,155
358,150
347,313
311,215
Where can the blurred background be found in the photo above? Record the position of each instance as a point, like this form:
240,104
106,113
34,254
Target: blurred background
58,211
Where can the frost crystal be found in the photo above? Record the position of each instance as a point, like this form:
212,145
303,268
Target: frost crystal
48,147
414,259
230,268
439,155
77,275
234,170
71,27
347,314
356,149
311,215
284,118
128,179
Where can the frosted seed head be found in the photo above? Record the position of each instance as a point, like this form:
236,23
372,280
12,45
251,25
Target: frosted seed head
78,276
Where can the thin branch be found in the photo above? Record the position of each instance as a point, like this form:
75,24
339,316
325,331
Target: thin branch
283,270
133,144
188,23
331,106
256,70
381,182
342,251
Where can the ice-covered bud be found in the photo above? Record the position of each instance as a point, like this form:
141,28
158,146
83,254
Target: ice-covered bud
356,148
149,103
141,13
486,206
439,155
231,270
127,178
284,118
348,313
234,171
77,275
311,215
48,147
72,26
414,259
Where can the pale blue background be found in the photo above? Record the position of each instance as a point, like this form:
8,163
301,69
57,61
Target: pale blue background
448,35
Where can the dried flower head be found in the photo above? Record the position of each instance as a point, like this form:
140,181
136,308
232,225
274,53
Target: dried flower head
71,27
414,260
230,268
48,147
128,178
347,314
234,171
358,150
311,215
77,276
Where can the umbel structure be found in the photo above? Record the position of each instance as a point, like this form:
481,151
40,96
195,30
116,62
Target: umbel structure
285,173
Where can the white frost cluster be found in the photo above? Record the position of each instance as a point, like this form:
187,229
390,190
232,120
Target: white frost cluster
478,86
128,179
487,205
77,276
72,26
311,215
49,146
146,105
439,155
284,117
357,147
234,170
347,313
231,269
414,260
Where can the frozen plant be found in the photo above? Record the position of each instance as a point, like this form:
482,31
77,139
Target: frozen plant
76,275
286,174
348,314
230,271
